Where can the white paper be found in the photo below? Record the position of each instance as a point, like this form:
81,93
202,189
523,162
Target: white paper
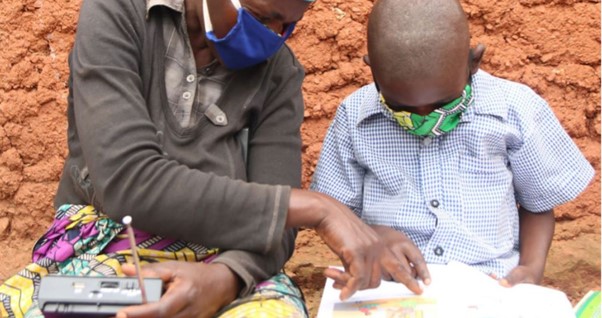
456,290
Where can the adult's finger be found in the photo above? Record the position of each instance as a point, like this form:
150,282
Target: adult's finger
149,270
402,274
386,276
173,301
354,262
376,274
355,281
419,265
411,260
350,288
150,310
339,277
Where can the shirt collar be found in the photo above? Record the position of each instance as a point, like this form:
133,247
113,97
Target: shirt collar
176,5
488,100
370,104
489,97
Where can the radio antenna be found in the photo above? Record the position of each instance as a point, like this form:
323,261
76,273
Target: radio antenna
127,220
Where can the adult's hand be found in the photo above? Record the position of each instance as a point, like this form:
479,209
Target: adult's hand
192,290
408,255
364,255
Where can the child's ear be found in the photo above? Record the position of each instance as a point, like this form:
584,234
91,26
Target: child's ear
366,60
476,55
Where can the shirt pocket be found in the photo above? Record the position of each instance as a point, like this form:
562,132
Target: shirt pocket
484,157
390,161
385,179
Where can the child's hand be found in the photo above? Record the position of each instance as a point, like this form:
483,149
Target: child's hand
521,274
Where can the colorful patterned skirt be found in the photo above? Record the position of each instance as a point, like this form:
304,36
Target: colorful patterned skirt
84,242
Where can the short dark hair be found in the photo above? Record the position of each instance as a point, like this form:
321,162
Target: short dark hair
410,38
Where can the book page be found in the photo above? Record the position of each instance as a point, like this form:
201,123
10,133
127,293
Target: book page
457,290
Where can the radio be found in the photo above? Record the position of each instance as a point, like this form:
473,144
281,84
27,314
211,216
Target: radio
89,296
94,296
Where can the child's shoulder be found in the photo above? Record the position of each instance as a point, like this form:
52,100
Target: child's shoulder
489,84
500,96
363,101
363,94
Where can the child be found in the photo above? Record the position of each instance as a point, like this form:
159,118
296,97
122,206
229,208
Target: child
445,161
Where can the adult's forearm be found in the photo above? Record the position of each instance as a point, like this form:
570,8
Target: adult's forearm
253,268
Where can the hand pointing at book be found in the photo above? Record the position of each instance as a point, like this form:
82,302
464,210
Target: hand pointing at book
400,260
364,253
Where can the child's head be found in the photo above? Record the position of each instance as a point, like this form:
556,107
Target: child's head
419,53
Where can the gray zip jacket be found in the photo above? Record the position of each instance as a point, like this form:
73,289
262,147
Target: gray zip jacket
129,156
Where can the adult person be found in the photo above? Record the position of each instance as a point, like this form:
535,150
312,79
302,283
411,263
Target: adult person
445,161
161,93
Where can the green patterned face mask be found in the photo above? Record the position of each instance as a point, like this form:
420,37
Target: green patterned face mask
441,121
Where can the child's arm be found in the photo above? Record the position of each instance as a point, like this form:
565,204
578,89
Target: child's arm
535,237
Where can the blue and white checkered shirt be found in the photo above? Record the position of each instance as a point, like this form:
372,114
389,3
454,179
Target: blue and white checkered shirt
454,195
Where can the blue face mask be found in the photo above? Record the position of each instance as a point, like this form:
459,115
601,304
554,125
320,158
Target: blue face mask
248,43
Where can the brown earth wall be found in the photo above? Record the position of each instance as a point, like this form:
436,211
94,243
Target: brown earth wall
551,45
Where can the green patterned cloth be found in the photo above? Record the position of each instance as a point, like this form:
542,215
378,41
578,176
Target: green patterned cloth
438,122
84,242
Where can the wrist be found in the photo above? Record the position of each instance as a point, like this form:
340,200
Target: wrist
532,260
535,269
306,208
229,284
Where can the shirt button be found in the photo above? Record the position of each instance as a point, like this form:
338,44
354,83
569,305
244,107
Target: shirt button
438,250
434,203
186,95
220,119
426,141
190,78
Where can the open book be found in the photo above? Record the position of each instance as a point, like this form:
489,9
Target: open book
456,290
589,306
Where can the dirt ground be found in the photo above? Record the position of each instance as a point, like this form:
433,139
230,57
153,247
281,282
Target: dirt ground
550,45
